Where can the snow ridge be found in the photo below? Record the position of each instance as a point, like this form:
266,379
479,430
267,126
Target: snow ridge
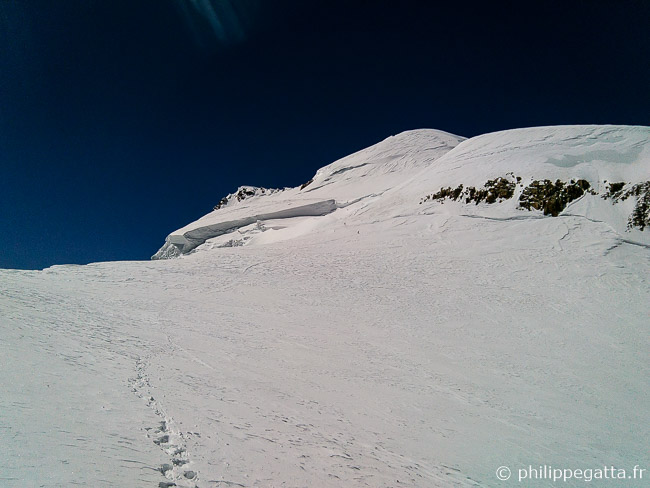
390,178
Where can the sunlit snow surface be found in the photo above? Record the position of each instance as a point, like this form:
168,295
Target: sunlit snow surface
383,344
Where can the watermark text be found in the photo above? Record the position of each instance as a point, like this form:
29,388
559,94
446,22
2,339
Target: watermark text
546,472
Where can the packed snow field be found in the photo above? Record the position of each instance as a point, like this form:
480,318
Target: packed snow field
346,334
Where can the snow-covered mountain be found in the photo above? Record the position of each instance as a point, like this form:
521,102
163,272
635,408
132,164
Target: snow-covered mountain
420,313
389,179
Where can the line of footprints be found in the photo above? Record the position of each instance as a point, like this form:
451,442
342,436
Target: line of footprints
169,439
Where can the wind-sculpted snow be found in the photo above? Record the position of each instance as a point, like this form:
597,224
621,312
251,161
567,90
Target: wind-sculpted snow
216,224
392,177
365,174
345,335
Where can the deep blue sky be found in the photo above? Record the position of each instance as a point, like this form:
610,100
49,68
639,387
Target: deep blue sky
121,121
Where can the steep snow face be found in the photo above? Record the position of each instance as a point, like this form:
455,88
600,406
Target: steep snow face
365,174
381,167
595,153
391,179
600,155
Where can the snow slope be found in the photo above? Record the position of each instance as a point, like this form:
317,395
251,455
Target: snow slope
376,341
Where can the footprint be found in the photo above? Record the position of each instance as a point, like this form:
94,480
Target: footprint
162,440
